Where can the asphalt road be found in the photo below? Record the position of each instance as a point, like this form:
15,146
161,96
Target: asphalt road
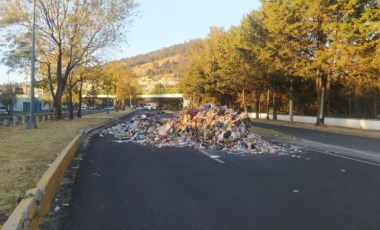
131,186
357,147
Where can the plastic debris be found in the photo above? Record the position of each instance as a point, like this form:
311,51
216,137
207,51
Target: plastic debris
207,127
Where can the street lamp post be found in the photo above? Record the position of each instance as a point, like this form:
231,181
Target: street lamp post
32,121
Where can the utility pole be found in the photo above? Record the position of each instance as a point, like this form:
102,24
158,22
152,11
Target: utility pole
32,121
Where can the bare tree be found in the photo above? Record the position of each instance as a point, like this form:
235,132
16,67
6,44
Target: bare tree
66,32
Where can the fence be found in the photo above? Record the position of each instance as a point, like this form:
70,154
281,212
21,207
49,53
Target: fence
369,124
23,119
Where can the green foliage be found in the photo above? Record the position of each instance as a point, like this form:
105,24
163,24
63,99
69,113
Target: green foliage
332,44
161,89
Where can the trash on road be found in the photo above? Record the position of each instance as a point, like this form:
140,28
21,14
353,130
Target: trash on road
207,127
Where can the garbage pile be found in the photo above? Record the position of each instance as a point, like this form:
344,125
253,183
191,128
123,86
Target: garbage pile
208,127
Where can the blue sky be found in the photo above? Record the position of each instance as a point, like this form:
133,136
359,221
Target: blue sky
162,23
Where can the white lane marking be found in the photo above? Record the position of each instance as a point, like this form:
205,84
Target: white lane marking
348,158
214,157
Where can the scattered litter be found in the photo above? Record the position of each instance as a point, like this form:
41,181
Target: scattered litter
343,170
56,209
96,174
296,191
207,127
65,204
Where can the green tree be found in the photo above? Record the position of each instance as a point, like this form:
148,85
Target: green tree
314,39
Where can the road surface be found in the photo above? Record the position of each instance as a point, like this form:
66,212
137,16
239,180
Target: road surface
350,146
132,186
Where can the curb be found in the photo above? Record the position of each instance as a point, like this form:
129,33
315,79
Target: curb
32,209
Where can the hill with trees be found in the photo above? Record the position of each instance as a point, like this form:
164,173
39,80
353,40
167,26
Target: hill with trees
160,71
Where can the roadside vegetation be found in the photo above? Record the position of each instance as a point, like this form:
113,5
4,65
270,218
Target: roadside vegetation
323,55
27,153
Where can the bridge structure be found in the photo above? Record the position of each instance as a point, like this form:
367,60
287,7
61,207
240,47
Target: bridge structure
154,96
166,101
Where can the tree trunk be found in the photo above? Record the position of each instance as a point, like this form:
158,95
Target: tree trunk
257,104
318,84
274,106
325,96
61,84
244,101
321,82
79,112
117,105
349,106
268,99
71,107
375,108
57,107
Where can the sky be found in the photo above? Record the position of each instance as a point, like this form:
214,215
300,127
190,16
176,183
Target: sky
163,23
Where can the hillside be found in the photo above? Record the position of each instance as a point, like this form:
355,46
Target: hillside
161,69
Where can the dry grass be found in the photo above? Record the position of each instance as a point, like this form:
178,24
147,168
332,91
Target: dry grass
26,154
271,134
142,69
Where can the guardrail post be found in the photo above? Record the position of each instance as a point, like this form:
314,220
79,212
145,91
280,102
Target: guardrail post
23,119
15,120
7,122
